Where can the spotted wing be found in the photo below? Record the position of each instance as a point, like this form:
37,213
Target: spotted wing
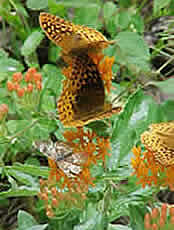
157,142
71,38
83,96
63,155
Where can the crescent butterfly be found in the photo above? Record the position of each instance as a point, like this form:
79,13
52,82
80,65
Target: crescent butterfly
62,155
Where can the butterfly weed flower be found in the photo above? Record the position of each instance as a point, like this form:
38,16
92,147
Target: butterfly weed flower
155,165
160,218
104,64
26,88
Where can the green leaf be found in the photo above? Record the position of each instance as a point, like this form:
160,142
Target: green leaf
33,170
22,177
20,191
109,9
159,4
136,216
31,43
84,16
93,220
166,87
55,78
37,5
138,22
10,65
57,8
139,111
25,220
132,50
124,19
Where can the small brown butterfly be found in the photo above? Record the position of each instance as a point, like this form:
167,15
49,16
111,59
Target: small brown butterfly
160,140
62,155
73,39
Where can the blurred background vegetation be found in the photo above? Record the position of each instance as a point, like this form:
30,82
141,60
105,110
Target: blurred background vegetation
144,62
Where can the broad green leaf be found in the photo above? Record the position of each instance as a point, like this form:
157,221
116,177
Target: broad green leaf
138,113
84,16
109,9
43,128
166,87
18,125
167,109
37,5
20,192
55,78
33,170
25,220
31,43
93,220
22,177
159,4
136,216
132,50
9,66
57,8
124,19
138,22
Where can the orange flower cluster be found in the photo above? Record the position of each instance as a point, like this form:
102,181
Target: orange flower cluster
3,111
70,191
162,219
33,81
149,171
105,68
27,88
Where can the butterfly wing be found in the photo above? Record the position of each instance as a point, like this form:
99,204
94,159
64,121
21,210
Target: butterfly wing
159,141
71,38
83,96
165,130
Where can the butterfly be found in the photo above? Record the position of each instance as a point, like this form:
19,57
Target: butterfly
73,39
160,140
83,98
62,155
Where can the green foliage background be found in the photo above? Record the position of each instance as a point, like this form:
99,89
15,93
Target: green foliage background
20,165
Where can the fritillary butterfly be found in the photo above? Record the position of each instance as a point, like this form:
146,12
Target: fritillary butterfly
83,96
63,155
73,39
160,140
